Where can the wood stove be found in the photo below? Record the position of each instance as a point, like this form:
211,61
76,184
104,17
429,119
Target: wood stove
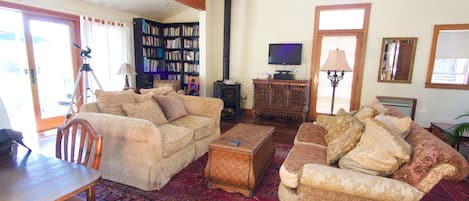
231,96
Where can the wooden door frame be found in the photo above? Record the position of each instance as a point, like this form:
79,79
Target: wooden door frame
73,22
358,69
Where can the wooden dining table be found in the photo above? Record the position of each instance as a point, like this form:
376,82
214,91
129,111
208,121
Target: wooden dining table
26,175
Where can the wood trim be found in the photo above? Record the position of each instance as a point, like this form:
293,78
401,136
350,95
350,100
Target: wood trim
359,61
431,61
40,11
197,4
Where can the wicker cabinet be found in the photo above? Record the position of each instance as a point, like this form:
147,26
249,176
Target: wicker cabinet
281,98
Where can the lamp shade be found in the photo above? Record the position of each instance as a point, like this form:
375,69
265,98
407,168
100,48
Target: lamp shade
336,61
126,69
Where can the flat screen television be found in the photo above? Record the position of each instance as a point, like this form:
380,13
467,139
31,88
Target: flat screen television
285,53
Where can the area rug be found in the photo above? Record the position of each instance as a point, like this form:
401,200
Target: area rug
190,184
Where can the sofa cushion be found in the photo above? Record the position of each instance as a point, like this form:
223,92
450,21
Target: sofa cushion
378,106
172,106
343,144
149,110
202,126
379,152
338,125
310,133
175,138
365,113
160,91
298,156
399,126
110,101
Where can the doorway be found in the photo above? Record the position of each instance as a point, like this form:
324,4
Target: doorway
37,68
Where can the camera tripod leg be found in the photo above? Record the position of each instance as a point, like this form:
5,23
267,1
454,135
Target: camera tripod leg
70,111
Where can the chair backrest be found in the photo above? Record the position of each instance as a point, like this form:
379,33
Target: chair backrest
89,142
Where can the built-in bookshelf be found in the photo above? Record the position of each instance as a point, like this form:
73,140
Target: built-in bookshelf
165,51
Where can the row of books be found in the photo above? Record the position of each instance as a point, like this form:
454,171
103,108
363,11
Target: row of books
191,43
153,52
173,55
173,67
173,43
188,30
150,65
191,55
173,77
192,68
172,31
151,40
149,29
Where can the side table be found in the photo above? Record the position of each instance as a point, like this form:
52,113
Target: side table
438,129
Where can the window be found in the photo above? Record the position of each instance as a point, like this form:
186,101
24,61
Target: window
342,27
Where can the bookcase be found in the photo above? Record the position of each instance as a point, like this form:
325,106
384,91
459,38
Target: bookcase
165,52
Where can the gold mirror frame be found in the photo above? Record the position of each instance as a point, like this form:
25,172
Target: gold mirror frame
397,60
431,63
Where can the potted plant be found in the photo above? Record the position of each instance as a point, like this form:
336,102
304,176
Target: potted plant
456,132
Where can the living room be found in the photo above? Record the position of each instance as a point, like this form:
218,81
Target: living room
255,24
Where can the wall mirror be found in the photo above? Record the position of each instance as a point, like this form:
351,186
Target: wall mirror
448,67
397,60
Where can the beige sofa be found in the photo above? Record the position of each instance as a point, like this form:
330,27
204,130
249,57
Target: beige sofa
138,153
305,174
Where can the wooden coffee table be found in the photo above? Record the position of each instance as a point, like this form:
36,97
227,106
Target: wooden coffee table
240,168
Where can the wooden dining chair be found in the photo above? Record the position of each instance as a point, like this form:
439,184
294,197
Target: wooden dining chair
78,133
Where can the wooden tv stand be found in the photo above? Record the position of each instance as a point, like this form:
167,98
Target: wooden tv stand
281,98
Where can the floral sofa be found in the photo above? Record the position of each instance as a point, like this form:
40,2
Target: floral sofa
311,173
143,145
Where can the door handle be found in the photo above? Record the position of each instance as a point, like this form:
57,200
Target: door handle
32,73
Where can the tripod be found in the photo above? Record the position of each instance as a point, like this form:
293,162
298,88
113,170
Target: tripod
84,70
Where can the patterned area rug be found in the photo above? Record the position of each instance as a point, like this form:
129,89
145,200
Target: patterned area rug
190,184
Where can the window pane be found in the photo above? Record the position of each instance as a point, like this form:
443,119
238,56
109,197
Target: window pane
451,71
343,91
341,19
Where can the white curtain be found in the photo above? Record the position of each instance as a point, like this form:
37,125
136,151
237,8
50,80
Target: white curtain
109,42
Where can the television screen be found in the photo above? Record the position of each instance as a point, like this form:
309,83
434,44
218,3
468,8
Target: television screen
285,53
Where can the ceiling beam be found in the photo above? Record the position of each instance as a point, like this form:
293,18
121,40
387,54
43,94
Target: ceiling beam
197,4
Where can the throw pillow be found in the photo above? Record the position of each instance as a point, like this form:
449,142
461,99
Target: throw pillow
172,106
342,122
149,110
343,144
379,151
399,126
110,101
160,91
378,106
366,113
326,121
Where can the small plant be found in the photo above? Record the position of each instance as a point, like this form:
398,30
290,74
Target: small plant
457,131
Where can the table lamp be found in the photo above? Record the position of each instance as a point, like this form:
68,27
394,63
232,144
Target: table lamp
335,62
126,69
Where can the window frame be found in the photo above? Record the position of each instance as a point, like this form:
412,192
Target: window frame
431,63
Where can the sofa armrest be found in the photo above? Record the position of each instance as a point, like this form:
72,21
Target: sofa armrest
127,138
349,184
204,106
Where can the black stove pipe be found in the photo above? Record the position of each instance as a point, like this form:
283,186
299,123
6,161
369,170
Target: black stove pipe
226,40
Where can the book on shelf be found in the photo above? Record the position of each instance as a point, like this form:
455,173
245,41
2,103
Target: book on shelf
191,43
191,68
149,29
151,41
190,30
172,31
173,43
150,65
173,55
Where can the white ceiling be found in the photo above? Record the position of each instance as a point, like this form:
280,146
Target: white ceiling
153,9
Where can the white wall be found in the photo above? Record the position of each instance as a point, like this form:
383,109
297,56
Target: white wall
187,15
256,23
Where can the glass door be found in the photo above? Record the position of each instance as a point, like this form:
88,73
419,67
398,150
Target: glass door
51,63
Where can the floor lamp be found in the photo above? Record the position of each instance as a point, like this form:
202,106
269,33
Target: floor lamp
126,70
335,62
